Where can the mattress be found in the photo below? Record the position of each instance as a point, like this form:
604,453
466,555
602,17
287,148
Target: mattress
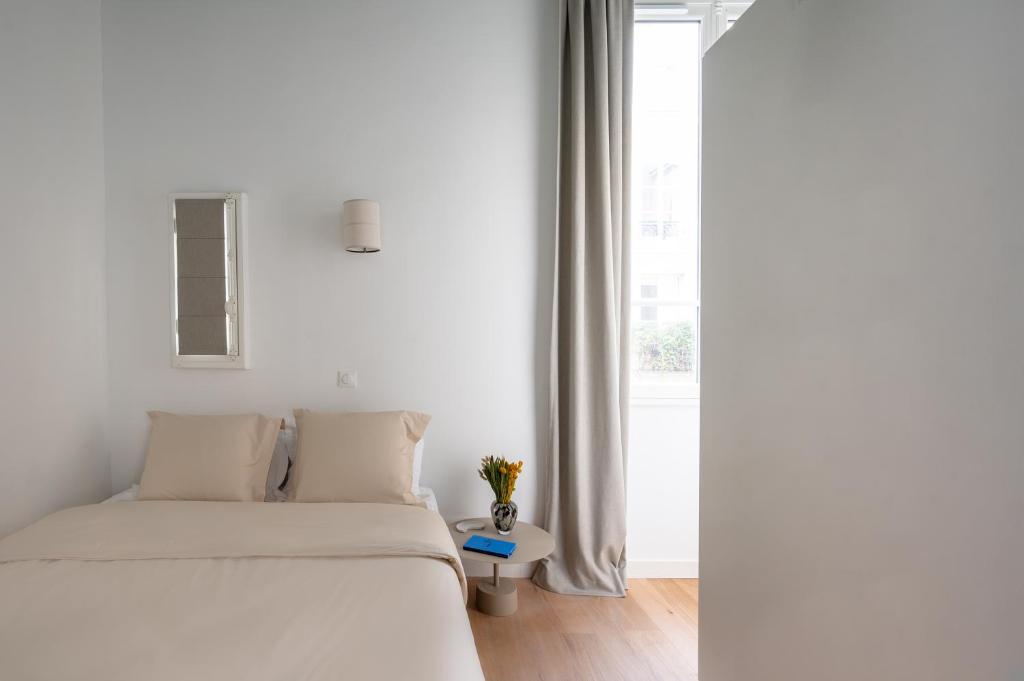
229,590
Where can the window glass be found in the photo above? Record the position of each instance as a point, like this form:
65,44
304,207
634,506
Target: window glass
666,229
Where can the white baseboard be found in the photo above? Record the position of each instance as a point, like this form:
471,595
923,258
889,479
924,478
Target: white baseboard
661,569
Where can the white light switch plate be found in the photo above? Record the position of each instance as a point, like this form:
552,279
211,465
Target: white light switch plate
348,378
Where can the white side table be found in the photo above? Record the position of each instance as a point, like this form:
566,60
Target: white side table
501,598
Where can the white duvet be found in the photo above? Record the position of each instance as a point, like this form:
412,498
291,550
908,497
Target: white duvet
179,590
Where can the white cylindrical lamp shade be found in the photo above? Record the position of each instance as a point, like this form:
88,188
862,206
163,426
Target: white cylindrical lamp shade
361,226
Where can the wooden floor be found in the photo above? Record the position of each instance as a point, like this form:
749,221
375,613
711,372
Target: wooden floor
650,634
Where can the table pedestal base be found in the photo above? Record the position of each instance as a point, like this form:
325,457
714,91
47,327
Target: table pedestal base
500,600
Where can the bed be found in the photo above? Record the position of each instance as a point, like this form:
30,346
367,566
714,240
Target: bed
230,590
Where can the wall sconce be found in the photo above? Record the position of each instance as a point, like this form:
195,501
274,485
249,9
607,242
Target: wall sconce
361,226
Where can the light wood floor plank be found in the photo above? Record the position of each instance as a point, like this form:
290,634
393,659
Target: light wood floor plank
651,635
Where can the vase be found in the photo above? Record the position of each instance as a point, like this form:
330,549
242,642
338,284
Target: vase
504,516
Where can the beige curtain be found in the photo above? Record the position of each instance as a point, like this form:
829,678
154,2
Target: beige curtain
586,504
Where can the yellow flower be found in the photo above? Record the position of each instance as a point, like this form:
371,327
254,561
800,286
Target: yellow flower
503,470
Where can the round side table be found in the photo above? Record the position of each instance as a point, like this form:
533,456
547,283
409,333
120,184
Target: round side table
500,598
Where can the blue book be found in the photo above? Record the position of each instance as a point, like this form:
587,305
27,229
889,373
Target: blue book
492,547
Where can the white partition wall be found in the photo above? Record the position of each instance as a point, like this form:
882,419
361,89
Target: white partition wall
862,492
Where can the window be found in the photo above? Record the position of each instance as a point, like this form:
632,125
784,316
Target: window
669,41
666,161
208,281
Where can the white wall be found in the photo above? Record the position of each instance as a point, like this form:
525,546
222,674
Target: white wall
663,495
445,112
862,467
52,350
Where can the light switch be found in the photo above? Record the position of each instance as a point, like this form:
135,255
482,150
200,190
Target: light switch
348,378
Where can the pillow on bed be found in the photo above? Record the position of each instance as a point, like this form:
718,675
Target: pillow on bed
280,462
208,458
417,465
356,456
281,480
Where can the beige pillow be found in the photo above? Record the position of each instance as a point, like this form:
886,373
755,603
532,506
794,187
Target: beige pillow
356,456
208,458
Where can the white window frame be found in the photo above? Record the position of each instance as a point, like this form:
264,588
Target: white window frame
714,17
237,285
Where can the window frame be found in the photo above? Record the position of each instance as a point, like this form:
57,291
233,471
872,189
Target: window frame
236,281
714,17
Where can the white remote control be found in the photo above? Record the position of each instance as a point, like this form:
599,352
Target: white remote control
466,525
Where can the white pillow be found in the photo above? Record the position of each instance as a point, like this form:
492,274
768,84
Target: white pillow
130,494
284,453
417,466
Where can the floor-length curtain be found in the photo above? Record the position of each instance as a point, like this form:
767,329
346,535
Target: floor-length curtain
586,503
